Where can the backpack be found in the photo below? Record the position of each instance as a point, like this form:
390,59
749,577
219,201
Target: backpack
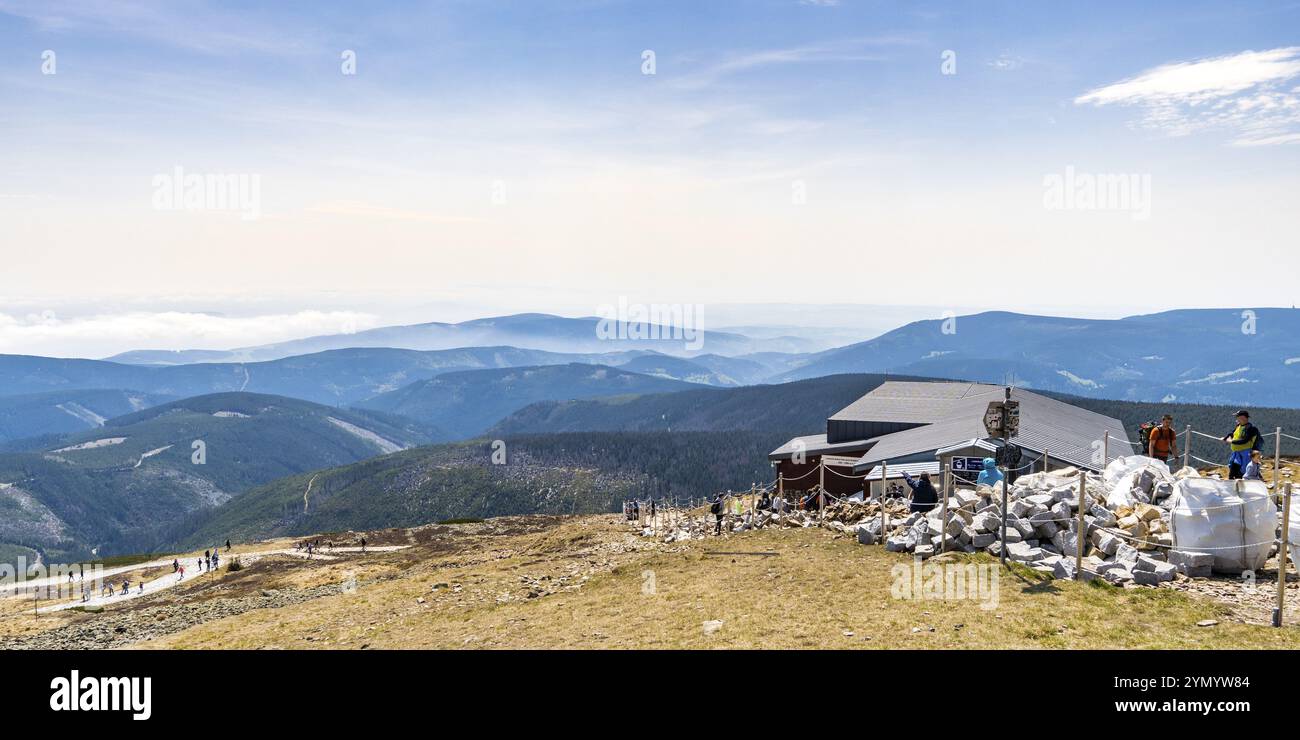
1144,434
716,508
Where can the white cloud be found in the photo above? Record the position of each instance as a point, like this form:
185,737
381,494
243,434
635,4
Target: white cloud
1007,62
1248,94
852,50
106,334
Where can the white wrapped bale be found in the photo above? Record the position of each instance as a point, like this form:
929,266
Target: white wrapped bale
1238,529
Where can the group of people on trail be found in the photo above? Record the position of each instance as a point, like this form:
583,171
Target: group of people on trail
107,589
1245,444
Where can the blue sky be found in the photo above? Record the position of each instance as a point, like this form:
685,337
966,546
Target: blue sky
490,157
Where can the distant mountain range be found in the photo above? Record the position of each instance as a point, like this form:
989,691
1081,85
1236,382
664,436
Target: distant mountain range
534,331
1193,356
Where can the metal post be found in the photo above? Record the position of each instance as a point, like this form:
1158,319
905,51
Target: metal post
1078,555
943,518
1187,447
1105,448
1277,461
1002,551
821,484
1281,558
884,477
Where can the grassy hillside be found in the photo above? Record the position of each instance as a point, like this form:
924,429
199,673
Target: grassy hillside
562,473
588,582
468,403
138,471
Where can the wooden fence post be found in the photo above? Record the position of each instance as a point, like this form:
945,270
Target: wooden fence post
1281,558
943,517
1277,461
1083,526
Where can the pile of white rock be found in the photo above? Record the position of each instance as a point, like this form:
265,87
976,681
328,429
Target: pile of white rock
1125,522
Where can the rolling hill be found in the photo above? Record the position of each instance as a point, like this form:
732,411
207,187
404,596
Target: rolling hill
678,368
90,489
337,377
467,403
558,474
64,412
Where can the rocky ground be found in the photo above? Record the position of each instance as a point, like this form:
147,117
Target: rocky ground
595,581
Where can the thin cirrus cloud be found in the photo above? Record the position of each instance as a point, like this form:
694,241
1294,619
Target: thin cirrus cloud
1253,95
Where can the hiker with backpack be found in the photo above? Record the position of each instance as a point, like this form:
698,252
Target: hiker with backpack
716,509
1161,441
1241,442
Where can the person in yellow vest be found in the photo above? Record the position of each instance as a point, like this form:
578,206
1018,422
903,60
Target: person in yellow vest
1242,441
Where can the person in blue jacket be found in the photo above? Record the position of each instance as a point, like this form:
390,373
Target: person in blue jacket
990,475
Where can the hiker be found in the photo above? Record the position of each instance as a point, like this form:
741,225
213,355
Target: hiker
110,589
1252,471
126,587
141,591
990,475
176,565
180,574
227,545
363,544
216,560
199,565
924,497
716,509
1242,440
1162,442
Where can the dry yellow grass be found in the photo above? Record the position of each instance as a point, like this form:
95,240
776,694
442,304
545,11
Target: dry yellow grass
806,590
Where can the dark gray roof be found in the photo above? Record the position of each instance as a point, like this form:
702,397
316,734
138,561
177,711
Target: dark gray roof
1065,432
910,402
815,444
